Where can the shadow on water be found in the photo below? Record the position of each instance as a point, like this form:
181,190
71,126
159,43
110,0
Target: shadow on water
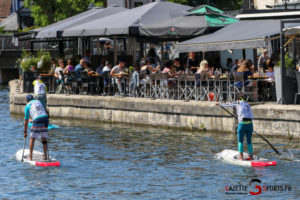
126,161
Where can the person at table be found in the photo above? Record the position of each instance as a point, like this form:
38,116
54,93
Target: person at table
107,68
204,68
40,90
89,70
100,68
244,70
152,54
80,67
178,67
58,76
170,71
236,64
69,67
53,66
262,59
270,74
118,72
192,62
149,68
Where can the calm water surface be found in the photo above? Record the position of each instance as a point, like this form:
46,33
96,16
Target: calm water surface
113,161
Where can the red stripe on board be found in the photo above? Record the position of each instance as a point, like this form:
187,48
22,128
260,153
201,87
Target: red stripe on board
48,164
263,163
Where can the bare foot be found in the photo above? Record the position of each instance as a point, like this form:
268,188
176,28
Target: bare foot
29,158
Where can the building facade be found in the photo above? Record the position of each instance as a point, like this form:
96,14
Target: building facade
271,4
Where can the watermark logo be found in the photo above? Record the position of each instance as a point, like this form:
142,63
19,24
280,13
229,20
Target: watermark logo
255,187
258,187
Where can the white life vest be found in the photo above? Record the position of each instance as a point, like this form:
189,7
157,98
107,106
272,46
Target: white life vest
36,109
39,88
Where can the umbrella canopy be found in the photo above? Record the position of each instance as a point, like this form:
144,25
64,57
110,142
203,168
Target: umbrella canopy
53,30
240,35
205,9
128,22
193,24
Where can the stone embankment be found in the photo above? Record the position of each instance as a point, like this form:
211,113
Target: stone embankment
270,119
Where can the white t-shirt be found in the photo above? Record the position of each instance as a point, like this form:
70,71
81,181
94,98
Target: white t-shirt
106,69
243,110
39,88
57,70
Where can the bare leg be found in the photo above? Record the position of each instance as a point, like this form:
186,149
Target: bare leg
241,156
44,141
31,145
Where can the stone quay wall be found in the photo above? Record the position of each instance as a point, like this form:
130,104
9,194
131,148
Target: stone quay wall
270,119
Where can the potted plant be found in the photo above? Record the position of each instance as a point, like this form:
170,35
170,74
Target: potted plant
44,61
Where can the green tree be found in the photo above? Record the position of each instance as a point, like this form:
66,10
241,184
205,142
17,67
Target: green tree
221,4
45,12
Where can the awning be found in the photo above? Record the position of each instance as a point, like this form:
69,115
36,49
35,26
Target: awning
128,22
240,35
198,21
54,30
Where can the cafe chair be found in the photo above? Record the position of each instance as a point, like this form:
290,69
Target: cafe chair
76,83
84,82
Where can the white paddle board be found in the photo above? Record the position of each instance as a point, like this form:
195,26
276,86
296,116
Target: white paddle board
232,157
37,159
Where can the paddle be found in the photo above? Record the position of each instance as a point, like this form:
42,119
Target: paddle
276,151
23,150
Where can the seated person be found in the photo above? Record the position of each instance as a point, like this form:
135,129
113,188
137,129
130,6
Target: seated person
69,67
270,74
89,70
99,69
107,68
58,76
178,67
204,68
170,71
117,72
80,67
149,68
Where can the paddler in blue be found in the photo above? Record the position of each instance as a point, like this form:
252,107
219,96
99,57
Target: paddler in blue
245,126
40,121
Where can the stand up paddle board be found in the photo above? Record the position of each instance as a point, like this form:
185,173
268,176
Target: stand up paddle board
232,157
50,126
37,159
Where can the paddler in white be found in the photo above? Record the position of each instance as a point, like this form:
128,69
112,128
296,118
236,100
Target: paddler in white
245,126
40,121
40,91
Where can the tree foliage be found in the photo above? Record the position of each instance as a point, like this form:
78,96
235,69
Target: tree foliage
46,12
221,4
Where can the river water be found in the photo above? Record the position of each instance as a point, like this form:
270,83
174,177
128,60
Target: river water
117,161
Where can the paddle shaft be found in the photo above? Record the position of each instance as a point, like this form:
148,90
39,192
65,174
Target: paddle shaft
23,149
253,131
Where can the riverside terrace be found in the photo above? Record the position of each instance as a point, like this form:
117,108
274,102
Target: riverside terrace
212,86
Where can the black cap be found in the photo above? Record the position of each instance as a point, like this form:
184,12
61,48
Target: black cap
29,97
